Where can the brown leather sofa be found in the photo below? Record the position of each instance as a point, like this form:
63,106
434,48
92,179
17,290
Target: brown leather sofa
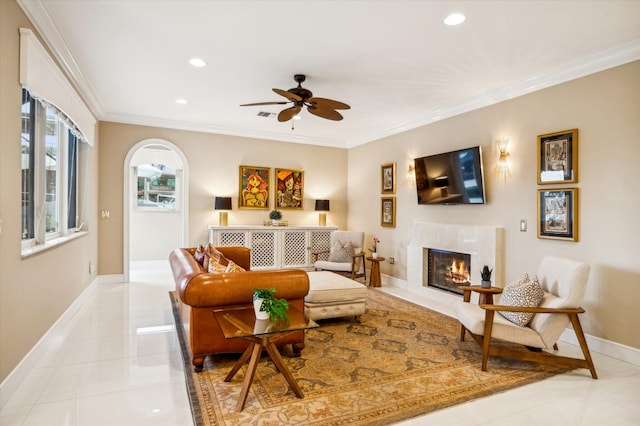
200,292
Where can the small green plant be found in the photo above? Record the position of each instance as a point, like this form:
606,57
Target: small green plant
275,215
486,273
277,308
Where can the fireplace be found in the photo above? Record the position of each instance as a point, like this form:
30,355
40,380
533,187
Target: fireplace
446,270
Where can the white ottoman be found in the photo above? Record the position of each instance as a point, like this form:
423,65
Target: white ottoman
333,296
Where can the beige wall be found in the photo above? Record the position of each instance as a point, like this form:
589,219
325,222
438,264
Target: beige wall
34,291
605,107
213,162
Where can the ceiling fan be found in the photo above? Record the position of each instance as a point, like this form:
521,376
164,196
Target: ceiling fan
299,97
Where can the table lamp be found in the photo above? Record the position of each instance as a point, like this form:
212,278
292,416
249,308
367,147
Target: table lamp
223,203
442,182
322,206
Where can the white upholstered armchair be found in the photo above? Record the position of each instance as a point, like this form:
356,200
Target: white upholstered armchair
346,255
563,283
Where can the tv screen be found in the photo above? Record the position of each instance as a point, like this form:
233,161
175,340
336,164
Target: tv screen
450,178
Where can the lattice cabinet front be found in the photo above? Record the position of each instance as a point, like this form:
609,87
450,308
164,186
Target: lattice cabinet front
263,250
275,247
320,241
231,239
295,253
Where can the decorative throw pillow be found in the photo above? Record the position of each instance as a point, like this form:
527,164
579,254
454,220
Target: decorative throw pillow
233,267
341,253
216,254
216,267
523,293
199,254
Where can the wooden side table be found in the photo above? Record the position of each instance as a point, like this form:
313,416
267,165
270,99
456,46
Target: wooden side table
485,297
374,278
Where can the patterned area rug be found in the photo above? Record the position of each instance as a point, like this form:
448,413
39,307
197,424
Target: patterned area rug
401,361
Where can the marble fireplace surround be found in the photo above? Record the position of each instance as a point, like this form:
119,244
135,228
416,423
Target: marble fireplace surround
483,243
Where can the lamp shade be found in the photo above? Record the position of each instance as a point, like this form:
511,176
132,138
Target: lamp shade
442,181
223,203
322,205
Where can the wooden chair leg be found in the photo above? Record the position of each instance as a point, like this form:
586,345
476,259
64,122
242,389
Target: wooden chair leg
462,332
577,328
555,346
486,340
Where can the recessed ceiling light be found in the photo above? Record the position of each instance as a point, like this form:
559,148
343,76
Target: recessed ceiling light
181,101
454,19
197,62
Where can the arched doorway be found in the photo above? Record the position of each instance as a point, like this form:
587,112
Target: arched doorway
156,201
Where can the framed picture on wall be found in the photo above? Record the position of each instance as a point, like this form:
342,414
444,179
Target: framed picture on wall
254,187
388,212
388,178
558,214
289,189
558,157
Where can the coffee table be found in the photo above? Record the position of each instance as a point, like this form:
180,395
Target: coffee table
241,323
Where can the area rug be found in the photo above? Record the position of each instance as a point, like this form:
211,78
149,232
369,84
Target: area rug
400,361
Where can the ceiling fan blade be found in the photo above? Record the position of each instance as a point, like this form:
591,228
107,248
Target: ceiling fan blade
325,103
288,95
288,113
329,114
266,103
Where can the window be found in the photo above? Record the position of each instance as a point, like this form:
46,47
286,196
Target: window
49,172
156,186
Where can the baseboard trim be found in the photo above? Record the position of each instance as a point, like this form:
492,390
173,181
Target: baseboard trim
57,333
596,344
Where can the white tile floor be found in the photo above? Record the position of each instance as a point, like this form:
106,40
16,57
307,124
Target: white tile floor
122,366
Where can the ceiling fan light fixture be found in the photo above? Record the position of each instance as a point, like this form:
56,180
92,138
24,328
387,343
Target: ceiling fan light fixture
454,19
297,117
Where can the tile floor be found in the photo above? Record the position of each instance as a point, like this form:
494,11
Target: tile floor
122,366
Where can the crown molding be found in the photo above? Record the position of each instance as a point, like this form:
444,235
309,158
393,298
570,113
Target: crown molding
38,14
223,130
617,56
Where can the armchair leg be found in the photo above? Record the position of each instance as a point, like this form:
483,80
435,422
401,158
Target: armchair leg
462,332
577,328
486,340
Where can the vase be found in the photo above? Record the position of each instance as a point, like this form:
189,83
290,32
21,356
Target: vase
261,315
374,255
485,284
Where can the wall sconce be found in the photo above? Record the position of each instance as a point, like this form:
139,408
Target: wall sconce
322,206
442,182
223,203
410,178
502,167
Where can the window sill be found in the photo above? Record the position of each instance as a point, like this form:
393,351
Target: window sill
39,248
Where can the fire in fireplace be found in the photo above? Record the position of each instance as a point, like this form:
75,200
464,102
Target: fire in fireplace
448,269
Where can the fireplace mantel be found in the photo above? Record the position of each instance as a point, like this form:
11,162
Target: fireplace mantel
483,243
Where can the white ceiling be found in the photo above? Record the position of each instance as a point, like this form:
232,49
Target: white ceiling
394,62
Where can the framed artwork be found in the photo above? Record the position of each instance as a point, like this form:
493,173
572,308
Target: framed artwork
388,178
388,212
558,157
254,187
558,214
289,189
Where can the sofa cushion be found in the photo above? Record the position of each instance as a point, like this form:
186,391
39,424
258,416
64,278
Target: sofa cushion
341,253
523,293
216,254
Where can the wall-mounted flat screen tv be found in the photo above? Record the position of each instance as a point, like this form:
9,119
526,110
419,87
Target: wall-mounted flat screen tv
450,178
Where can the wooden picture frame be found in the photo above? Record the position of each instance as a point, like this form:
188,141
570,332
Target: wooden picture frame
388,212
254,187
558,214
289,189
558,157
388,178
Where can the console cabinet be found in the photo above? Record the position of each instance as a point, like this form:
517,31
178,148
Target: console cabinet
275,247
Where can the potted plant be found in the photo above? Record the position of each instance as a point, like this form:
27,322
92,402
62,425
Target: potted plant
275,216
266,305
486,276
374,249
